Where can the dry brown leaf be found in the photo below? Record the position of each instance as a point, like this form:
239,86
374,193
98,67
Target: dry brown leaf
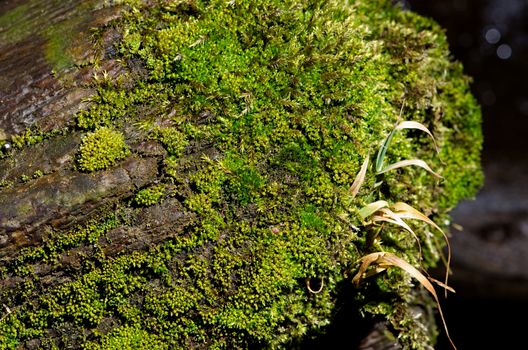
405,211
360,178
408,162
385,259
441,284
366,261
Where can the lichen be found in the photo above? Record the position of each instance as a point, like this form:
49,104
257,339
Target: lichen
101,149
266,110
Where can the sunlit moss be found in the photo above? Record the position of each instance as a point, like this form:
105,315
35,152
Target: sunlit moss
101,149
264,112
150,195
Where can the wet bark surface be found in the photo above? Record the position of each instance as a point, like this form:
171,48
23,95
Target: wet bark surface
41,190
43,45
41,92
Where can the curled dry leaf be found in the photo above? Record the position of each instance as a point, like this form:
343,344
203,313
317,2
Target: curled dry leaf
385,260
418,126
380,169
405,211
360,178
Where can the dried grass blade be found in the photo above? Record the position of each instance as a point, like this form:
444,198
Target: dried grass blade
391,217
374,272
441,252
360,178
391,259
371,208
387,213
385,259
408,162
441,284
405,211
366,261
417,126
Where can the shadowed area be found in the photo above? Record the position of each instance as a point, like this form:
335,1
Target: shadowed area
490,254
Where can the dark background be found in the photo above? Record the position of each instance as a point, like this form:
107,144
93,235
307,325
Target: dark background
490,37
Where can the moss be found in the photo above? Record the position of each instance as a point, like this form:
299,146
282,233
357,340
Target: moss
173,140
32,136
129,338
101,149
266,110
27,138
150,195
15,23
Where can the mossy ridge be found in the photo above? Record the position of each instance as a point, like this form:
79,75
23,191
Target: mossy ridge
293,95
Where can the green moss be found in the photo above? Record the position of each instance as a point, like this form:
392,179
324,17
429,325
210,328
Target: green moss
129,338
33,136
150,195
173,140
171,167
101,149
15,22
266,110
27,138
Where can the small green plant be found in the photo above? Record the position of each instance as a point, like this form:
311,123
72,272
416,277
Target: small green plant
38,173
5,183
101,149
150,195
27,138
171,166
172,139
382,212
380,168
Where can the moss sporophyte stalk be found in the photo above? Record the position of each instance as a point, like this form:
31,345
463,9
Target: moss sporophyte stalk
264,118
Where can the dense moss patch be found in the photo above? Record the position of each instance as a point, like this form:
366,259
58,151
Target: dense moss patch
101,149
266,110
150,195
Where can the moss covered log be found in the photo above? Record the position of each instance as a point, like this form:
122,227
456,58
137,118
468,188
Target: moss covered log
202,197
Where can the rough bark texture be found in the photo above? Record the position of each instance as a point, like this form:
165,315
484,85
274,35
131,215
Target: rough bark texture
228,221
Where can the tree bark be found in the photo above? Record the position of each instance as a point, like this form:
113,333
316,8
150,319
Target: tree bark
46,77
41,89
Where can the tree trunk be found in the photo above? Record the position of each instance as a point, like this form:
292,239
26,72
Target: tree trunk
111,253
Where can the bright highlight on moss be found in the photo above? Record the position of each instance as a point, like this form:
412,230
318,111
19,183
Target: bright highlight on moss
149,196
101,149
